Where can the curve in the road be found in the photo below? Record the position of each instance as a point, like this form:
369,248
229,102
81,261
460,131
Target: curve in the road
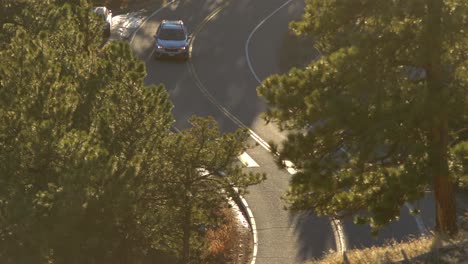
198,82
247,42
219,106
209,96
337,227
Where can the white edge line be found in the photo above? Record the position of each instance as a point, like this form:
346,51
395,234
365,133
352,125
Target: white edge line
419,222
247,56
253,225
335,234
256,137
336,224
289,167
341,236
259,140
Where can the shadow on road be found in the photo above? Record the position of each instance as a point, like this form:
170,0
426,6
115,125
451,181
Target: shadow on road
314,235
296,52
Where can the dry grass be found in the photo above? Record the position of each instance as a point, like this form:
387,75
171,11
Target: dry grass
391,252
418,250
426,249
221,240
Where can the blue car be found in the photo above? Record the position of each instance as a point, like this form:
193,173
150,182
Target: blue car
172,40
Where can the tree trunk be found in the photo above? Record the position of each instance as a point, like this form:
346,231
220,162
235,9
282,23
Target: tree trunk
446,221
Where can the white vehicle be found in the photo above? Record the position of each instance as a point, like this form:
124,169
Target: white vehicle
106,14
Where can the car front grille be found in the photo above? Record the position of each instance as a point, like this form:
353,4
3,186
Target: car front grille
172,50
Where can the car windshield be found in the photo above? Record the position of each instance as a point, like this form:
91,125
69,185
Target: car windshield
171,34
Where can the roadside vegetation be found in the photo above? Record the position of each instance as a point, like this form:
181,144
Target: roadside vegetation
429,249
419,251
91,171
380,118
228,242
390,253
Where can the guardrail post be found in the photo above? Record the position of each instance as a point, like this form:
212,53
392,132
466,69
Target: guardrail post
345,258
405,257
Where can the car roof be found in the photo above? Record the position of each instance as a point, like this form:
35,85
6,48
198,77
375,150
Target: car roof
175,24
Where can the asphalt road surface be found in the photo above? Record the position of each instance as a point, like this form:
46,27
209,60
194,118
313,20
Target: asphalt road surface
220,81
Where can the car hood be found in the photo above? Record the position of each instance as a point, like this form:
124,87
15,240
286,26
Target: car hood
172,43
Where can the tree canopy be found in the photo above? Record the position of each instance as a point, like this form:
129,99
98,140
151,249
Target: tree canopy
90,170
376,120
203,174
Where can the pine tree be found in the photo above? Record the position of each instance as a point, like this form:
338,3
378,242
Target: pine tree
203,173
377,111
90,171
78,132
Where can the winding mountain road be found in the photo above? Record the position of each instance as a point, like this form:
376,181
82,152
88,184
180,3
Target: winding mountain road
235,45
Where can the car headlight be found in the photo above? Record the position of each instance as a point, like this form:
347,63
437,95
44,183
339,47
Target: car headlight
159,46
182,48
